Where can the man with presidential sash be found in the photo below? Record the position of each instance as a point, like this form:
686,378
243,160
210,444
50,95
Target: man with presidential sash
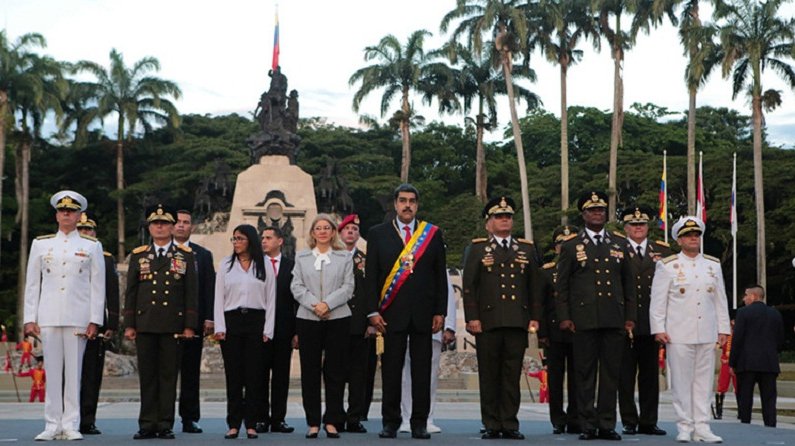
501,304
406,285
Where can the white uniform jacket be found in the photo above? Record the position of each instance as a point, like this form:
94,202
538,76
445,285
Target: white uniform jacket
688,299
65,285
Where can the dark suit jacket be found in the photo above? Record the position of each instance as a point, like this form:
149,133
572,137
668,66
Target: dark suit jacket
595,285
206,279
422,296
643,274
286,305
111,294
758,337
358,303
161,292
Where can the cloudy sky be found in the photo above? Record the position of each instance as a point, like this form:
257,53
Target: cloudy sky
219,53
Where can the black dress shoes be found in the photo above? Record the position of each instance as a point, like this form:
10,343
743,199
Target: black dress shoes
588,435
629,429
231,435
251,434
144,435
166,434
191,427
573,429
388,432
312,434
490,434
331,434
609,434
557,430
261,428
512,434
356,428
651,430
89,430
282,428
420,433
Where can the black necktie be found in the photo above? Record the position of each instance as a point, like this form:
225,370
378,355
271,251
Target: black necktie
161,252
505,244
598,238
640,251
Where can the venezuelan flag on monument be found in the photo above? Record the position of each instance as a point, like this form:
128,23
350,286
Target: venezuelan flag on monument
275,60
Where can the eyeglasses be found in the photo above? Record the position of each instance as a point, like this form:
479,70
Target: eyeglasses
323,228
238,239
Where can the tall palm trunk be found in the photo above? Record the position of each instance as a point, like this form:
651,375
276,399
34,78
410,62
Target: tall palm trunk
23,197
405,136
761,264
3,117
691,153
120,190
618,120
517,139
564,142
481,176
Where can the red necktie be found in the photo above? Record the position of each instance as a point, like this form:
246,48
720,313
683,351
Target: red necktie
408,233
273,262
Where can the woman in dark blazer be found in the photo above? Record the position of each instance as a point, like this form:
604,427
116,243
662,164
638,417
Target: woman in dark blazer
244,322
322,285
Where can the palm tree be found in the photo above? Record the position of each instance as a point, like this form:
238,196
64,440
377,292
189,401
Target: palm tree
560,25
80,110
18,77
754,38
136,97
477,78
399,70
506,20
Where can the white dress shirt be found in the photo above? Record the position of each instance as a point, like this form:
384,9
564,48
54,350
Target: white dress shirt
593,234
642,245
237,288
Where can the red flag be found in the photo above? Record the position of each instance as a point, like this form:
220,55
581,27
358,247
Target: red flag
275,60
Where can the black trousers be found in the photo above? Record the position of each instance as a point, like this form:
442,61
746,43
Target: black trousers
597,350
767,393
392,361
244,366
560,369
158,360
359,374
372,366
91,381
640,360
500,353
278,356
189,374
323,349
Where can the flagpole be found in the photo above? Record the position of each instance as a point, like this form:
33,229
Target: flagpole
701,193
734,231
665,193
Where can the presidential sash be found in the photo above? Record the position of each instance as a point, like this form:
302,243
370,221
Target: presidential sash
404,264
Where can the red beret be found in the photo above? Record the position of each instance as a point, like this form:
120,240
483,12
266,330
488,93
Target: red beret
353,218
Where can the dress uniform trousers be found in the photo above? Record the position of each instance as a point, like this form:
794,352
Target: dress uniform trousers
640,359
278,355
500,353
189,375
359,375
64,359
596,350
158,360
91,381
692,369
560,369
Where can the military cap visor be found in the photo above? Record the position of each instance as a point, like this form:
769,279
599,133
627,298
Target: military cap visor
592,200
636,215
86,223
70,200
160,213
687,225
561,233
499,206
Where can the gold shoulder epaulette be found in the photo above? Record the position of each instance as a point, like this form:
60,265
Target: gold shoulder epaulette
184,248
45,237
88,237
569,237
662,243
140,249
524,240
549,265
714,259
479,240
107,254
670,258
619,234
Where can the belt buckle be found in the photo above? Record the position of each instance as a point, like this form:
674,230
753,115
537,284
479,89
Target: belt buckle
243,310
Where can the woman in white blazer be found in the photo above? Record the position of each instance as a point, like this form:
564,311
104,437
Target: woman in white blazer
322,285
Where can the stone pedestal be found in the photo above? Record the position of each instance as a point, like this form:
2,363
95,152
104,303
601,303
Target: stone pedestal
272,175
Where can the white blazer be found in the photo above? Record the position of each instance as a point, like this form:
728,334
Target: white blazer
333,284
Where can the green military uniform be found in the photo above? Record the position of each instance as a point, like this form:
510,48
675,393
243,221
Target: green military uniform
160,302
498,291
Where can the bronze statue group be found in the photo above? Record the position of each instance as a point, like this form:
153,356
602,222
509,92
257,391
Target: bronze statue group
607,303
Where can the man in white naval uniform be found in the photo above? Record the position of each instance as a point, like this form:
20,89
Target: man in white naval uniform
689,313
64,297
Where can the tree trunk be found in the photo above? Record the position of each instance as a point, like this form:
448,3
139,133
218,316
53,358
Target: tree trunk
564,144
405,136
3,117
691,153
120,190
23,196
618,121
481,177
517,139
761,264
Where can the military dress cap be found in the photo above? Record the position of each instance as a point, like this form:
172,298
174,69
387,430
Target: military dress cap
499,205
686,225
69,199
87,222
561,233
636,215
591,200
160,212
350,219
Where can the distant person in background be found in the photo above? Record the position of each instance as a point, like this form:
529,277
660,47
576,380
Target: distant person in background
758,338
38,380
